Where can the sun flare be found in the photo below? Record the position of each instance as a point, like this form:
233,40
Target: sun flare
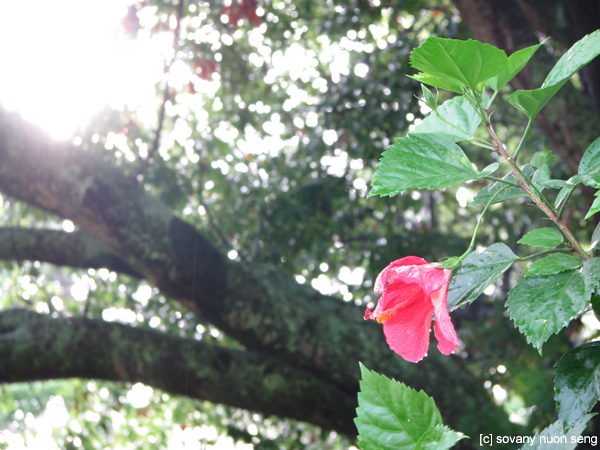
65,60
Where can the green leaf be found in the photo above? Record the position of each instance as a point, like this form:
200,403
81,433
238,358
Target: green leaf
541,176
581,53
469,63
542,305
595,238
591,278
516,62
531,102
490,169
595,206
556,263
554,437
592,180
551,184
541,179
392,416
590,161
563,194
577,381
591,275
543,158
484,196
459,112
595,301
421,161
477,272
542,237
442,83
440,437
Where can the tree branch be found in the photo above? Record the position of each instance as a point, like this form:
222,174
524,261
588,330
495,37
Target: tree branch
77,249
37,347
260,306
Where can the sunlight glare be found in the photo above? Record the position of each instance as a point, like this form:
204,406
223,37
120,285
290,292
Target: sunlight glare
462,196
65,62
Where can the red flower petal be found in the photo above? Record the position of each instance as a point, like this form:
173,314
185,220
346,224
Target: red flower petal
444,330
413,292
388,275
407,332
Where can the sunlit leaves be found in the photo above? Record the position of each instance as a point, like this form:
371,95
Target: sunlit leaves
542,305
516,62
531,102
468,63
577,382
448,84
477,272
542,237
581,53
421,162
455,120
392,416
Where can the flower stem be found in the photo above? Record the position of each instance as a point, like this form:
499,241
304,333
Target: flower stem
493,97
472,244
520,146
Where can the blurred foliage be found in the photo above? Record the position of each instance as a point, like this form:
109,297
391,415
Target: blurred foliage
268,145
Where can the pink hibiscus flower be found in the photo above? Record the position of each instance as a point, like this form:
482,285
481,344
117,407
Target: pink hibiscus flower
414,291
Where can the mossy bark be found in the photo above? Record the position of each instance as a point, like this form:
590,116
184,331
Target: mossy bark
39,347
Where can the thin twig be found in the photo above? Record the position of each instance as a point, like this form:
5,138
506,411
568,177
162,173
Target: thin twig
214,226
166,93
211,220
256,242
157,133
